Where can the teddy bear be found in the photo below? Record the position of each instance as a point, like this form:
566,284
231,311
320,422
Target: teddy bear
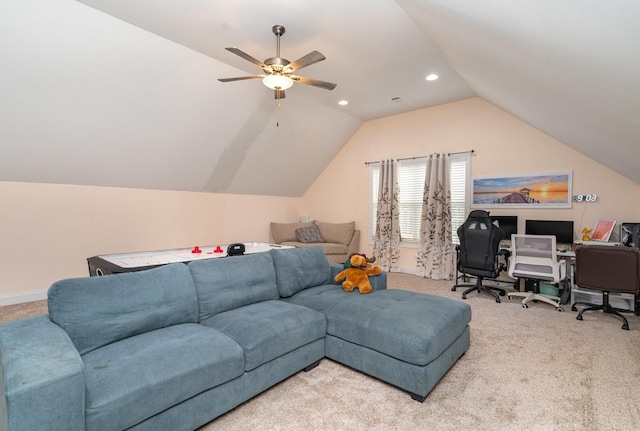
357,271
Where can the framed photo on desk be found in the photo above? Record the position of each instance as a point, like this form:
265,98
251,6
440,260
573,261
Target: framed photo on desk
602,230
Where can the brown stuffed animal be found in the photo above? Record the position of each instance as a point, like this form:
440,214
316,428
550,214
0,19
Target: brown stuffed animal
357,271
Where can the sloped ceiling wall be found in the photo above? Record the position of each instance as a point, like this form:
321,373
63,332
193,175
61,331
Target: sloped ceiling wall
89,99
127,95
569,68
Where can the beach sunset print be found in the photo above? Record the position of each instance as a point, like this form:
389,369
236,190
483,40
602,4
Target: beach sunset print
530,190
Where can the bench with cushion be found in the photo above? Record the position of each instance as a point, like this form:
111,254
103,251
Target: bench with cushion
338,240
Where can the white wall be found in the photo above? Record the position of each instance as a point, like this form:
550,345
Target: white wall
503,145
47,231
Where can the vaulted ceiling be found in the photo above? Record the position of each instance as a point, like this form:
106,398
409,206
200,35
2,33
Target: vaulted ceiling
125,93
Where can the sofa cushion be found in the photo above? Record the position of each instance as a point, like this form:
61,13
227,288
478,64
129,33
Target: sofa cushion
96,311
226,283
269,329
134,379
300,268
321,298
328,247
309,234
282,232
340,233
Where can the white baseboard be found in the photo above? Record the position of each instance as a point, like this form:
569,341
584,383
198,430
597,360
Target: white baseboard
408,270
23,297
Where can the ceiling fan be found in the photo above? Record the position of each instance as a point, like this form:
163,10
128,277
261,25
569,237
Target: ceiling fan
278,71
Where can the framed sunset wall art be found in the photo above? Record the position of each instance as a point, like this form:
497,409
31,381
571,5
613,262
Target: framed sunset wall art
544,190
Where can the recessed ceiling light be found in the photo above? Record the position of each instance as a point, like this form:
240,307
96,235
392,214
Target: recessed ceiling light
343,102
432,77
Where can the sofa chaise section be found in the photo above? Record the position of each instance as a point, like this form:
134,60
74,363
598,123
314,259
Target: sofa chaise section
405,338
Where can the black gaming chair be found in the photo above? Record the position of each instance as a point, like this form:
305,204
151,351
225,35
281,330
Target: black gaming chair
479,254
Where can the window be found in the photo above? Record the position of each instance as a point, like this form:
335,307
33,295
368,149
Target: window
411,185
460,190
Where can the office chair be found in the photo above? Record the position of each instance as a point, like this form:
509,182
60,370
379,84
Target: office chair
534,257
607,269
479,254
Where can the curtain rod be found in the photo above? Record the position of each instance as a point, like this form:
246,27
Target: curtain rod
422,157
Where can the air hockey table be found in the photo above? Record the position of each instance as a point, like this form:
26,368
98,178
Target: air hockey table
140,261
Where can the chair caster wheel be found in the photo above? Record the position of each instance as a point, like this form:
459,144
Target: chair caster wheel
560,309
525,306
498,300
509,297
578,317
464,296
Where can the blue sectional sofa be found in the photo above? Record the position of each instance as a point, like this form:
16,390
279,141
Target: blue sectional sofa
174,347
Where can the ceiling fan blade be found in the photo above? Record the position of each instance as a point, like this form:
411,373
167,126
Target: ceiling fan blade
321,84
246,56
307,60
278,94
240,78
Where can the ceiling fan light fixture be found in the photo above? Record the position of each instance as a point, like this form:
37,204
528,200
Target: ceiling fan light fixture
277,82
277,70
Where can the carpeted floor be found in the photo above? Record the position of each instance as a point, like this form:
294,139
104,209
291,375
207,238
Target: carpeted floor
526,369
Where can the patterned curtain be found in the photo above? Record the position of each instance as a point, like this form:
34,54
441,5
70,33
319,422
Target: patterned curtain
436,253
386,245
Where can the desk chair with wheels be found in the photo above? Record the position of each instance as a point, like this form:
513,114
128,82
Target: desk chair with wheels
479,254
534,257
607,269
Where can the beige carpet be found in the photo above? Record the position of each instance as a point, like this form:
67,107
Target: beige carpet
526,369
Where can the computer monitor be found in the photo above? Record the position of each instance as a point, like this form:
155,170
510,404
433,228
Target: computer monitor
629,234
508,224
562,229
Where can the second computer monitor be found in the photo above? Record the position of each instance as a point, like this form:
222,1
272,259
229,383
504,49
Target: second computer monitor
630,234
562,229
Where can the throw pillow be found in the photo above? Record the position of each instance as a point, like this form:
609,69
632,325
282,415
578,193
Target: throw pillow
309,234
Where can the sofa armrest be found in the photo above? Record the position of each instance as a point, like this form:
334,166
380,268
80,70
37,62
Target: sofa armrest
354,245
378,282
41,377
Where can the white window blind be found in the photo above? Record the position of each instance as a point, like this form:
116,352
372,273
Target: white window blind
411,178
411,175
460,170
